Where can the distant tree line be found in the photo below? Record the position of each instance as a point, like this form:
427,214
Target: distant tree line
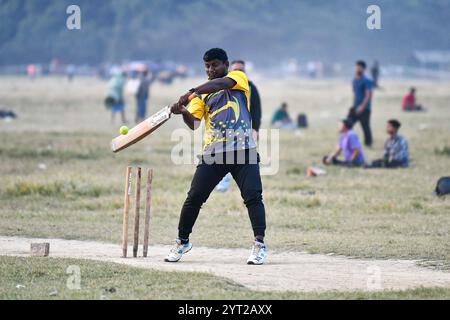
265,31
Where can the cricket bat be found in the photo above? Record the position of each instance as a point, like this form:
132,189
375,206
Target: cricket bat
143,129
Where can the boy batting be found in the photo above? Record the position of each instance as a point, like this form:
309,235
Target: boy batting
223,103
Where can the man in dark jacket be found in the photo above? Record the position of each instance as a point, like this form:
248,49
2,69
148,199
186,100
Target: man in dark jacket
255,113
255,101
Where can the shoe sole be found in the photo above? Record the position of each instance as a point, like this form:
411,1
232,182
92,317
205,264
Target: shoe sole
167,260
254,264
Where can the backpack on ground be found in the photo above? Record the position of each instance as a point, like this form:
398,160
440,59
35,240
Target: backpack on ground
302,121
443,186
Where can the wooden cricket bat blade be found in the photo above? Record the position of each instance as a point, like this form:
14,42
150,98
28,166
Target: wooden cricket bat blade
141,130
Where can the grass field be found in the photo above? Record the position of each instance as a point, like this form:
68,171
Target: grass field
37,278
59,178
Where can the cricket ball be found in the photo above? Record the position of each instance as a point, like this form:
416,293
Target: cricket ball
123,130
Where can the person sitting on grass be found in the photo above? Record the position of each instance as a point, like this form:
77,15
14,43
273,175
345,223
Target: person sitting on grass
281,118
395,149
409,101
349,145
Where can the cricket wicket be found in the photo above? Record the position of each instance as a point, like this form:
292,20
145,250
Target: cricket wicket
137,200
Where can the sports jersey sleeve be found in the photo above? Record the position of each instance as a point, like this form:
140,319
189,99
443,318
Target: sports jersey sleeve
241,81
197,108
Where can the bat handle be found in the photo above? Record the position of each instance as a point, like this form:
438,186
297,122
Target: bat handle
190,98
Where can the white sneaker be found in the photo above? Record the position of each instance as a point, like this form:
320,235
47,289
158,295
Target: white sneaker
177,251
259,253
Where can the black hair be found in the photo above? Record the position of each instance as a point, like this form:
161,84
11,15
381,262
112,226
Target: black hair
348,123
215,53
361,63
395,123
238,61
412,89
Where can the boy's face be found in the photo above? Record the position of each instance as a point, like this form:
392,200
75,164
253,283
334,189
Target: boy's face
390,129
342,128
359,70
216,69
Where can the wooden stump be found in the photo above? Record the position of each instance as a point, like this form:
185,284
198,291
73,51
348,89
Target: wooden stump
40,249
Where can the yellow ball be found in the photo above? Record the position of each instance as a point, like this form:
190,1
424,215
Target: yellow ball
123,130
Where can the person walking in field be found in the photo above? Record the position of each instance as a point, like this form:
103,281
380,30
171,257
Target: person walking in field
362,102
375,72
224,104
255,113
115,95
142,95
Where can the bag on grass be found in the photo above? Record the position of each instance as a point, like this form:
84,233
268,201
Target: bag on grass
442,186
302,121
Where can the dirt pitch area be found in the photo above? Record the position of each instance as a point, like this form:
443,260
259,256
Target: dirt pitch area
284,271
